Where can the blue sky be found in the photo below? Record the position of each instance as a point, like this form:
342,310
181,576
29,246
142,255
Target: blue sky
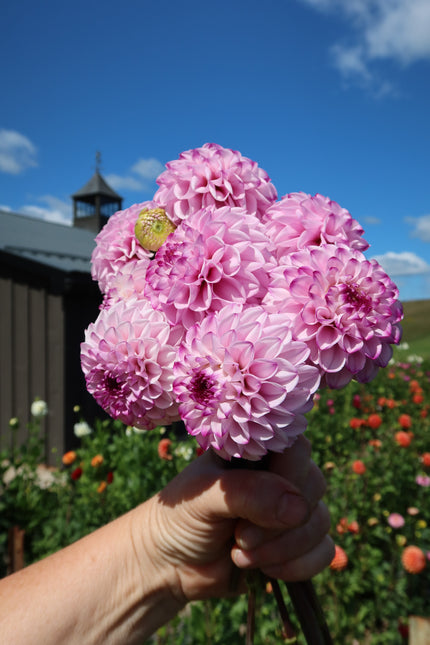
328,96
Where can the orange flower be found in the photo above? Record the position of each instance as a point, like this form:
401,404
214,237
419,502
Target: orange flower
163,449
102,487
376,443
358,467
403,439
374,421
413,559
425,459
355,423
344,526
69,457
97,461
340,559
405,421
353,527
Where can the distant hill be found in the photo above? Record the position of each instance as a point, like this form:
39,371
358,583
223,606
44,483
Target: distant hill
416,323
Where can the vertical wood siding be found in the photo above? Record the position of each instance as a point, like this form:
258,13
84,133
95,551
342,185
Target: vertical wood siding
31,360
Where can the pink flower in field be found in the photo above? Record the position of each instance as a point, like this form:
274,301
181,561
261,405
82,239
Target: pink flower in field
127,359
116,245
215,257
423,480
213,176
343,306
242,383
299,220
395,520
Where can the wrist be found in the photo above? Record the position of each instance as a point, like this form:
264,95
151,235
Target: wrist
160,590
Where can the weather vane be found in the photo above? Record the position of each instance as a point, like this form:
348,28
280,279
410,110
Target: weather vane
98,160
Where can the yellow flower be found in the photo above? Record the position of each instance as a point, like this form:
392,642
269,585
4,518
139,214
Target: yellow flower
421,524
401,540
377,497
152,228
372,521
329,465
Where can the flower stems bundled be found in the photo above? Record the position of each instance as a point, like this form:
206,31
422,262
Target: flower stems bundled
227,308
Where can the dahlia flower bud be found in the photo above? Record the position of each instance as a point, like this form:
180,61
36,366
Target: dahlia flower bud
152,228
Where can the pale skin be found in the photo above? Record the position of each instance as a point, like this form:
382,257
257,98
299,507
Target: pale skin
119,584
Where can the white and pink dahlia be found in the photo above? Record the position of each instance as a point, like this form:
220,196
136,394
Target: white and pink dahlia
215,257
127,358
116,245
344,307
213,176
242,383
127,283
299,220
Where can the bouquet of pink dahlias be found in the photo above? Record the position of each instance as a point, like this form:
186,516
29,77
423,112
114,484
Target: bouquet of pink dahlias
227,309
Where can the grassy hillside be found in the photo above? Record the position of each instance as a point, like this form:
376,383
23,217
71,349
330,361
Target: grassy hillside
416,327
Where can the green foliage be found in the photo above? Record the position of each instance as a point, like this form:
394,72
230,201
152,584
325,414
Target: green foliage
363,602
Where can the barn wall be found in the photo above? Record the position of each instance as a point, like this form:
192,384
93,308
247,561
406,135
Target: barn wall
32,360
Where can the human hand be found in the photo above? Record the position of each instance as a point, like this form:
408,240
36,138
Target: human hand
211,516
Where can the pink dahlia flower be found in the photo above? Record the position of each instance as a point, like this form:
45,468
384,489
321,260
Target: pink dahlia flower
343,306
242,383
217,256
299,220
213,176
128,360
396,521
127,283
116,245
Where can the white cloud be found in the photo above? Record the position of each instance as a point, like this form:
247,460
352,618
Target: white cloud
402,264
148,168
16,152
124,183
55,210
140,177
397,30
371,220
421,227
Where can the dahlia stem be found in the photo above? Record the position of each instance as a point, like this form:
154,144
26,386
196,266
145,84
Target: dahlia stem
289,631
309,613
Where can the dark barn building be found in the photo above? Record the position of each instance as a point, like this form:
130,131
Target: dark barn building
48,298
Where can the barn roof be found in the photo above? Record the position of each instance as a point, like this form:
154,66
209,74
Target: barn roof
61,247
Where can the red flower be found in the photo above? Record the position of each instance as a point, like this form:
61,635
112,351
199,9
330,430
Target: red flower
109,477
403,438
163,449
358,467
374,421
340,559
76,474
355,423
376,443
413,559
356,401
425,459
405,421
418,398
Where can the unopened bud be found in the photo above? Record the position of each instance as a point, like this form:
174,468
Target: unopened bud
152,228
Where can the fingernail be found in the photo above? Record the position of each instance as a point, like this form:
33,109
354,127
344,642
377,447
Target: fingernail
250,538
293,510
241,559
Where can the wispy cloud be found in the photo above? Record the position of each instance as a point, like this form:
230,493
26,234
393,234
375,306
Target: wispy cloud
16,152
140,177
421,227
52,209
402,264
396,30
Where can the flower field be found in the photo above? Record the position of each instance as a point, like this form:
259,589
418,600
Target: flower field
372,443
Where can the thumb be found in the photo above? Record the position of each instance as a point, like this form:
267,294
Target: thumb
264,498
